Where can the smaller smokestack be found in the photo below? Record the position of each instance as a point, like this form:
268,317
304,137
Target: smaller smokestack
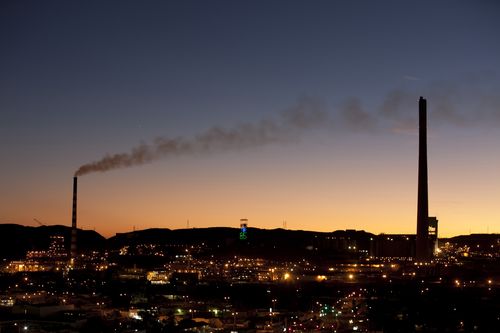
73,222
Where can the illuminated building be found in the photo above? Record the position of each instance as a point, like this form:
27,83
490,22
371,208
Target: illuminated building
56,247
243,229
433,233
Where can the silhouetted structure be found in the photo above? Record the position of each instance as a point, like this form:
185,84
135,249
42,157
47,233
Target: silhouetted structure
423,250
243,229
395,246
433,233
73,222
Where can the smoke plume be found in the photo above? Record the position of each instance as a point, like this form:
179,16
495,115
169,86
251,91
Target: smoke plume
468,102
307,114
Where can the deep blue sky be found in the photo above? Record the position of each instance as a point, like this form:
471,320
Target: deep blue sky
79,79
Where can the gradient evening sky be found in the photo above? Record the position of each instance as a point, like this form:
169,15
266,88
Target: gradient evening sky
82,79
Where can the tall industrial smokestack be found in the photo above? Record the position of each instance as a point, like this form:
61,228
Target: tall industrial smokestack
73,222
422,249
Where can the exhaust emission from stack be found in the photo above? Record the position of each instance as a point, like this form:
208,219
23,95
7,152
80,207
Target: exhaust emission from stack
308,114
393,114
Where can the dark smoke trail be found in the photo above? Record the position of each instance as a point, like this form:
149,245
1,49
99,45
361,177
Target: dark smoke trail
307,114
355,118
465,103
